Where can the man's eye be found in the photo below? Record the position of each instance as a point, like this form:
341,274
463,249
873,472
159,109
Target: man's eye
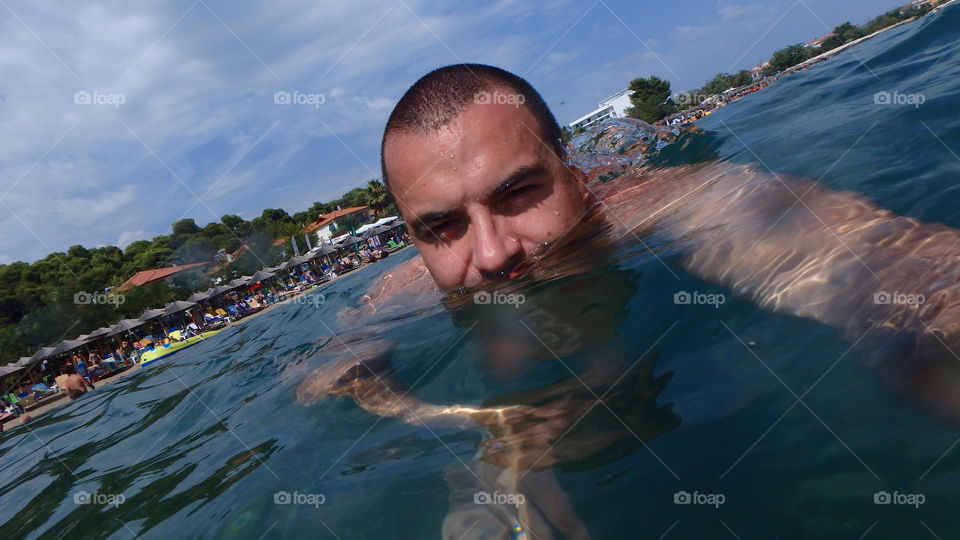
520,191
443,227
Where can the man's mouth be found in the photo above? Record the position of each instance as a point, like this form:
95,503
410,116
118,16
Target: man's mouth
518,270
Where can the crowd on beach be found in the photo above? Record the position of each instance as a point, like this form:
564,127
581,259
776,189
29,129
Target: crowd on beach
73,366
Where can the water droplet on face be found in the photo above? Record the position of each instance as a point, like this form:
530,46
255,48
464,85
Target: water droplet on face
556,212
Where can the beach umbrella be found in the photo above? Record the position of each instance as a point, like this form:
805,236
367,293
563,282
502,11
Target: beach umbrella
12,368
240,282
199,296
262,275
124,326
43,352
177,306
217,291
65,346
24,361
374,232
151,314
350,240
99,332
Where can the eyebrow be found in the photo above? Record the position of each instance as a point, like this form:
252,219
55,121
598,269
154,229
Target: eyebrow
422,224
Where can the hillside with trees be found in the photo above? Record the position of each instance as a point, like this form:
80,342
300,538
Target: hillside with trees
37,304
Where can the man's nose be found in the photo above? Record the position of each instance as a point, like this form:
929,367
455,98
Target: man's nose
496,250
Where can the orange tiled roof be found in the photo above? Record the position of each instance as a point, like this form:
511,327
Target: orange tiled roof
328,218
148,276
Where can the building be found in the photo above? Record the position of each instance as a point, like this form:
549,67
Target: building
614,106
339,222
159,274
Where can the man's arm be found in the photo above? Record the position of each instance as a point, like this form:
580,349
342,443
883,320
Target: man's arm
887,282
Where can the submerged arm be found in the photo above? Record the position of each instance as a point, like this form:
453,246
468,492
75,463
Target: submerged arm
794,246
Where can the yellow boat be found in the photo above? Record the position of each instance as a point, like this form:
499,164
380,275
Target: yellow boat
162,351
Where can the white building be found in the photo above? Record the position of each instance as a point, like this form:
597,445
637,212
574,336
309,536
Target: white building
614,106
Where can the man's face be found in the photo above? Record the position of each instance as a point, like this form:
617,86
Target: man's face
482,194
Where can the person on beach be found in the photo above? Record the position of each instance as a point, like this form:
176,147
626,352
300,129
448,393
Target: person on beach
76,385
474,159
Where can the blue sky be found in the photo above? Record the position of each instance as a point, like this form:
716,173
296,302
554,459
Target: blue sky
120,118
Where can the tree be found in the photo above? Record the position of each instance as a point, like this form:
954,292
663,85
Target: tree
185,226
651,99
378,199
787,57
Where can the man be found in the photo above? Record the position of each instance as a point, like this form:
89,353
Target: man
473,157
76,385
474,160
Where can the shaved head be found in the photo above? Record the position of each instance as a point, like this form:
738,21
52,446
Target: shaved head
440,96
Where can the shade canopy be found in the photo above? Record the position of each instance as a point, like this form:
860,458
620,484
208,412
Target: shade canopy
350,240
319,252
65,346
199,296
294,261
43,352
99,332
25,361
374,232
151,314
262,275
177,306
12,368
124,326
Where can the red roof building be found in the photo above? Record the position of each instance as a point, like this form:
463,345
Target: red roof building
327,224
157,274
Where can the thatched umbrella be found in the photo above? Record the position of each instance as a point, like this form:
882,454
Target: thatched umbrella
199,296
151,314
262,275
124,326
177,306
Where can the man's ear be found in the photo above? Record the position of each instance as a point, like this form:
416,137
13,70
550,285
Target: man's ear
580,179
